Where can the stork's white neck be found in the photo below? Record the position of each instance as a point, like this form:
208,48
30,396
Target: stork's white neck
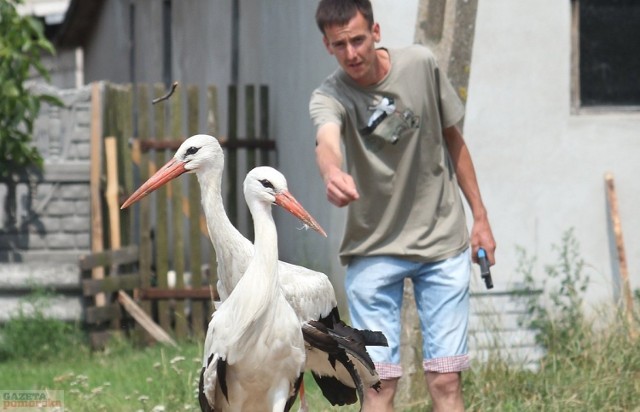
233,250
265,258
258,289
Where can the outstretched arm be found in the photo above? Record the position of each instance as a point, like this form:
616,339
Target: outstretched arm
481,235
341,189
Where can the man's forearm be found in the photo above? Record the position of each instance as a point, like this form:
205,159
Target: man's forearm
465,172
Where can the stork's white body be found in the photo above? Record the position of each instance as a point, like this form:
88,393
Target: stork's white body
255,330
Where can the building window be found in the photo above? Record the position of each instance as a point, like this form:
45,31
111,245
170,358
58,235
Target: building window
606,47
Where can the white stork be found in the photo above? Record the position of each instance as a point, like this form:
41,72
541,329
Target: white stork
309,292
255,353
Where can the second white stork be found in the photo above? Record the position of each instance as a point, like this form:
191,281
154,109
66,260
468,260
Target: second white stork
342,367
254,351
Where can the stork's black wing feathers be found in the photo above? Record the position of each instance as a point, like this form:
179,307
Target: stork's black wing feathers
222,377
336,392
317,335
296,389
202,399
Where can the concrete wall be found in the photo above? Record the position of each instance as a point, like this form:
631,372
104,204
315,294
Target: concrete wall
541,168
53,213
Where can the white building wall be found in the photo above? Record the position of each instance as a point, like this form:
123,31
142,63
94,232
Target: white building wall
541,168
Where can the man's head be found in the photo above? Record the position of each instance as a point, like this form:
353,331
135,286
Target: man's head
350,35
339,12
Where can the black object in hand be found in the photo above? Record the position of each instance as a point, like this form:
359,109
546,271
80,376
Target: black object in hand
485,272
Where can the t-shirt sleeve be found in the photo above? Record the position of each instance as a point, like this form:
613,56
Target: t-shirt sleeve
325,109
452,107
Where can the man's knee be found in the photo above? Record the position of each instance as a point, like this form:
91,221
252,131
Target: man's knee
382,399
444,384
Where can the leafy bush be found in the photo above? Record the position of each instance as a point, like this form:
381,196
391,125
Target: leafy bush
21,46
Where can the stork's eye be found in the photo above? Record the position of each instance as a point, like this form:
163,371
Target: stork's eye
192,150
266,183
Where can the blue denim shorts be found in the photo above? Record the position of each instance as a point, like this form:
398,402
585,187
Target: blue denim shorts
374,286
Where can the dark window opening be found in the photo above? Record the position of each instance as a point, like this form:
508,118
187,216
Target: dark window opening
609,63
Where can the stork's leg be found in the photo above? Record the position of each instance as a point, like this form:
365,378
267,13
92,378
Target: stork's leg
303,399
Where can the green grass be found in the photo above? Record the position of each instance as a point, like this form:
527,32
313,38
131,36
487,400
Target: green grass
585,368
599,373
119,379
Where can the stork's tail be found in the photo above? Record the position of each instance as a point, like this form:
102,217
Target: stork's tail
345,345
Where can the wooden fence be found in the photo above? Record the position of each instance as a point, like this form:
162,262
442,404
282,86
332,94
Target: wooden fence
176,262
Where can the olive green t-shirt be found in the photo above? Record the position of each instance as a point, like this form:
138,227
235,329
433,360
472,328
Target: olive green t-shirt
410,204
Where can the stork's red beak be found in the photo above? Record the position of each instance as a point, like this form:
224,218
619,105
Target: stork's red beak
172,169
288,202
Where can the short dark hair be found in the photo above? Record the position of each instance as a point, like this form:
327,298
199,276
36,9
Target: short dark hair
339,12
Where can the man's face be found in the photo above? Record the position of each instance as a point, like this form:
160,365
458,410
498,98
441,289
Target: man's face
353,45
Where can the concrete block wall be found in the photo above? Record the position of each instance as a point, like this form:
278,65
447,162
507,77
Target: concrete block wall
53,220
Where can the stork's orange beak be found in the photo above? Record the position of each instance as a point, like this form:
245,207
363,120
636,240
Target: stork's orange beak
172,169
286,200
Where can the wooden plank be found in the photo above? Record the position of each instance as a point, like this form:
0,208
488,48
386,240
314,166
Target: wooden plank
97,237
614,215
144,320
232,156
212,111
112,129
200,293
123,256
128,228
96,315
238,143
212,128
176,187
110,284
143,207
162,230
111,191
264,123
250,127
195,236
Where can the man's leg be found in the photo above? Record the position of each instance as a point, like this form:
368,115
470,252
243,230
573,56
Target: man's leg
381,401
442,300
446,391
374,287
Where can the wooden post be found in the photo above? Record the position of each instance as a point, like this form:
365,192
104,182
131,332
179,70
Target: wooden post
250,130
212,128
111,192
264,121
622,257
176,191
162,229
232,155
97,239
193,212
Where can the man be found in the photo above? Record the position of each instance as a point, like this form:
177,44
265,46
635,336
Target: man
406,161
